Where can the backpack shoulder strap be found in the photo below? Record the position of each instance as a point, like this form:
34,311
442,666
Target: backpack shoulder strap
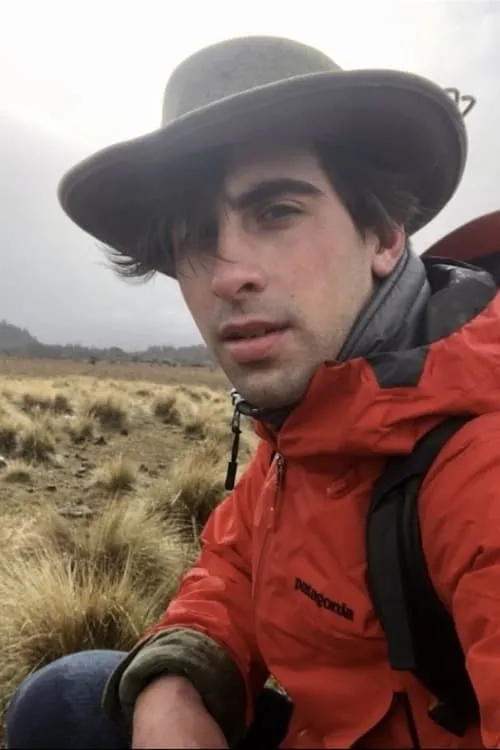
420,633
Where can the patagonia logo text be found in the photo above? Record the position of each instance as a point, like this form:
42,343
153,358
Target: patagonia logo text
322,601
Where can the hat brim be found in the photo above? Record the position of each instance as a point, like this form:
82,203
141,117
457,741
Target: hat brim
399,120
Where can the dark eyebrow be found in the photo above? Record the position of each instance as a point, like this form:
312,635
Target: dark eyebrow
268,189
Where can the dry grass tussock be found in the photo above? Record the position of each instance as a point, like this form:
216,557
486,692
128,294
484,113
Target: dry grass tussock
206,421
68,585
29,438
195,483
81,429
168,408
46,401
111,410
180,406
65,587
18,472
37,442
11,425
194,487
40,397
116,476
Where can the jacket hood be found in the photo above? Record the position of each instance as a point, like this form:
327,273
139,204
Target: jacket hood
443,360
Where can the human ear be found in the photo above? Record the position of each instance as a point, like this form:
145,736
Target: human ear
386,257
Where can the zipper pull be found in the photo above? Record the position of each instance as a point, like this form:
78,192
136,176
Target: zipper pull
232,466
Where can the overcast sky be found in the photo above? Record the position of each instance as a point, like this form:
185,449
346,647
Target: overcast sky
76,76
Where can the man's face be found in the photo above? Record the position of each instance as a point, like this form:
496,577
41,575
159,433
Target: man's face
289,273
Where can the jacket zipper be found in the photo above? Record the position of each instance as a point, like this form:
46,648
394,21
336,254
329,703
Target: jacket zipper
276,505
273,518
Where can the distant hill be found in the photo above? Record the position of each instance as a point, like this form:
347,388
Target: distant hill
15,341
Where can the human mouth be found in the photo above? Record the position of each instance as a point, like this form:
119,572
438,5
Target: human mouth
252,341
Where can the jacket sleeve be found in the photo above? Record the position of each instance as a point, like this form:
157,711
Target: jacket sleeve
460,520
207,632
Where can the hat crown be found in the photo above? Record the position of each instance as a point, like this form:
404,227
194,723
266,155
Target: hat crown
235,66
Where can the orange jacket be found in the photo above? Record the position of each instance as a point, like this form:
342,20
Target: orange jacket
280,583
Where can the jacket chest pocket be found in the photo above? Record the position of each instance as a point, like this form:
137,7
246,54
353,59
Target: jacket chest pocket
317,624
309,581
299,606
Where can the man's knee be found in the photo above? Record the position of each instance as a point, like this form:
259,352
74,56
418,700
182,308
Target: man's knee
60,696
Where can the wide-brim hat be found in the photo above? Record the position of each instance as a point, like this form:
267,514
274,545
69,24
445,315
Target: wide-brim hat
243,88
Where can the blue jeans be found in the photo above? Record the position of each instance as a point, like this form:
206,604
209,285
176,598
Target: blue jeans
59,706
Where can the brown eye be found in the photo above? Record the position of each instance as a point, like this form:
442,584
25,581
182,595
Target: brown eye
277,211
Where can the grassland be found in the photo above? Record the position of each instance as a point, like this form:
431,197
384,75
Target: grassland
107,474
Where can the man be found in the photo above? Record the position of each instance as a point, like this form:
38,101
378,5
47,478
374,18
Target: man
282,194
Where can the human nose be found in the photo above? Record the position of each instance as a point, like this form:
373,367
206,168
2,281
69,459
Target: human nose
237,269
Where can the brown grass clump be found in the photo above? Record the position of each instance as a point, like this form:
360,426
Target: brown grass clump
9,434
36,443
207,418
195,425
110,410
116,476
62,404
193,489
166,408
198,393
30,402
44,399
17,472
65,587
81,429
204,424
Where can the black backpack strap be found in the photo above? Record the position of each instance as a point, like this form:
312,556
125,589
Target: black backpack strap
420,633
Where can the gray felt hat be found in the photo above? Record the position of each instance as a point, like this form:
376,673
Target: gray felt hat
251,86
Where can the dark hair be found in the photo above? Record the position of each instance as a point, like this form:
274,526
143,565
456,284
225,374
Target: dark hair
187,203
376,198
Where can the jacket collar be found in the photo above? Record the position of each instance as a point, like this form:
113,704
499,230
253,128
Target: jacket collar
392,317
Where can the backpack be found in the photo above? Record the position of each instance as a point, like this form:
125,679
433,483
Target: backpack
420,632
